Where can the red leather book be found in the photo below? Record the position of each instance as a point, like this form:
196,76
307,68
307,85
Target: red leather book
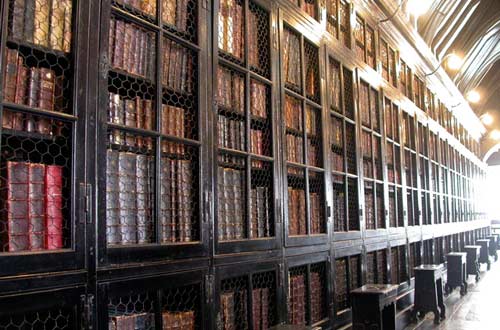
36,206
47,88
54,205
17,238
256,308
21,83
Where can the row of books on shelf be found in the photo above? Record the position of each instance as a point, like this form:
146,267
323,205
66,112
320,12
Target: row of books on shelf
18,121
294,148
293,113
297,300
231,28
337,161
32,207
178,67
231,133
42,22
129,199
234,309
184,320
297,212
135,113
31,86
339,214
337,129
230,90
291,58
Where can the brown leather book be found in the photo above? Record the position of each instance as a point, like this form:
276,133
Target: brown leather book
257,308
54,205
47,88
264,324
22,82
68,18
10,78
228,311
16,18
17,200
118,51
41,23
36,206
34,87
57,18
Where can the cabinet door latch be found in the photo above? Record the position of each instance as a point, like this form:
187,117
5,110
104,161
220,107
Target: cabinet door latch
85,203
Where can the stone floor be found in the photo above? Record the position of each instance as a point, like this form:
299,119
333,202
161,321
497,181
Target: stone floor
478,310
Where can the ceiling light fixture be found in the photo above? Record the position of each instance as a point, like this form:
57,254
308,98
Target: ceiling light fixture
453,61
495,134
414,7
473,96
487,119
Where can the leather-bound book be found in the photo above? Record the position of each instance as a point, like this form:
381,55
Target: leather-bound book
264,325
238,195
10,79
169,11
144,199
21,89
241,309
47,88
125,322
228,311
221,211
36,206
172,320
17,201
34,87
57,17
16,18
111,39
256,308
188,320
165,203
68,18
262,212
144,321
41,22
29,17
118,52
113,233
254,214
54,206
186,200
316,297
128,197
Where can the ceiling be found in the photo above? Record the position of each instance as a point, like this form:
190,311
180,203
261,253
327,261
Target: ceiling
470,28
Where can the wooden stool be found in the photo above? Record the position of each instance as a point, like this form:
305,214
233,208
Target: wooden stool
374,307
497,238
484,256
493,246
429,292
473,253
457,272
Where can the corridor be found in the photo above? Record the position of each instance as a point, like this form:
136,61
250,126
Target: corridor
478,310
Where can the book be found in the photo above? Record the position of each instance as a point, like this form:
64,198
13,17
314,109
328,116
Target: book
291,59
228,311
231,207
341,293
316,294
178,320
296,212
177,67
297,300
230,29
54,205
259,212
134,321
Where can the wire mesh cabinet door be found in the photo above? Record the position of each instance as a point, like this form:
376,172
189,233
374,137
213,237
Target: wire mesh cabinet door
151,172
247,296
41,164
54,310
160,302
244,127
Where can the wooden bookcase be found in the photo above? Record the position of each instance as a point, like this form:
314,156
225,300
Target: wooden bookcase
185,154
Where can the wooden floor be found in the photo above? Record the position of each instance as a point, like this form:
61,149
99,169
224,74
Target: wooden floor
478,310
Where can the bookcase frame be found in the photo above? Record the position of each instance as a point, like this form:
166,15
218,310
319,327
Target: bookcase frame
244,68
245,272
152,286
345,69
31,307
72,257
306,261
288,21
155,251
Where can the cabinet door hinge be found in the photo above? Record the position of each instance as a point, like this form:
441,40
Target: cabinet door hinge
85,202
209,286
87,302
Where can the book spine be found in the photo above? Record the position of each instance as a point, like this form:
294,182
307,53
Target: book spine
221,211
17,201
144,220
29,17
10,77
54,206
128,197
21,83
47,85
36,207
67,30
57,19
119,37
113,232
16,18
41,23
257,308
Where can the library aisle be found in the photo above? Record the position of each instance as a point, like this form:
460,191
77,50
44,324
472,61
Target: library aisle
476,310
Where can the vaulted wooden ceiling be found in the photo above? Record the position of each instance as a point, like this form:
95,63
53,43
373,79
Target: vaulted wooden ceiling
470,28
